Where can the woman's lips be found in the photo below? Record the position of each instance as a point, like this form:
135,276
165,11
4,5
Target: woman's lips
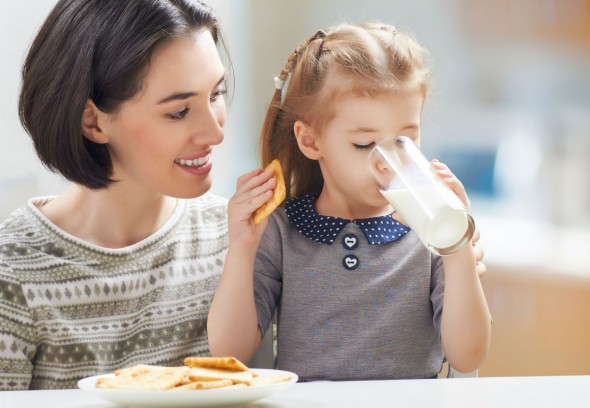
200,166
198,162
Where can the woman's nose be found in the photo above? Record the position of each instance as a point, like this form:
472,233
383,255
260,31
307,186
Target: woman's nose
210,127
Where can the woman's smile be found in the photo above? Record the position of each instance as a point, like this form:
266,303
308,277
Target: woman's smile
198,166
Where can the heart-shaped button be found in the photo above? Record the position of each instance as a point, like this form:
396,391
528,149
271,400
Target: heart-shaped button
350,262
350,241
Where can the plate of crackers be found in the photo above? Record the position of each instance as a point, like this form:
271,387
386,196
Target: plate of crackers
202,381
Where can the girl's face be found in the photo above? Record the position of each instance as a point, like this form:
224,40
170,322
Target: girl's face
161,140
358,124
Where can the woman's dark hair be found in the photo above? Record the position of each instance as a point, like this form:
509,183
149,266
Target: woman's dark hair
98,50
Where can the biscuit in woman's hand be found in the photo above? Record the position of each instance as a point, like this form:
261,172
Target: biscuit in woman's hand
278,195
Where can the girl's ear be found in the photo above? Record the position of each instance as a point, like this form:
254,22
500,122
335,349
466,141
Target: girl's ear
306,139
93,121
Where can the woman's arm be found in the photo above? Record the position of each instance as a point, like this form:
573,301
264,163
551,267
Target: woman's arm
466,321
233,324
17,334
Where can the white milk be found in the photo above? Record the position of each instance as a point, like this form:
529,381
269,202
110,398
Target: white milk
444,226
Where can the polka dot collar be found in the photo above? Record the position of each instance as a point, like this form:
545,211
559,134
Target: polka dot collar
324,229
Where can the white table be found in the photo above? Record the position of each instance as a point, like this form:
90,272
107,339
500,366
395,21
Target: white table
485,392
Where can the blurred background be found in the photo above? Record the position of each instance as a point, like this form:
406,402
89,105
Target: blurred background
509,114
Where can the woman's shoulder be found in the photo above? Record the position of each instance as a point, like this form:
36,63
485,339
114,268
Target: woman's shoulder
209,208
18,222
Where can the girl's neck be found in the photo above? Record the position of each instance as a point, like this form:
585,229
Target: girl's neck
110,218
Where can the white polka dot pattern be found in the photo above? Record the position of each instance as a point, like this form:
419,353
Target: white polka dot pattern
324,229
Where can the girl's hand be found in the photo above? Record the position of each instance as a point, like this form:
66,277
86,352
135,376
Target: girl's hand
478,251
443,172
253,189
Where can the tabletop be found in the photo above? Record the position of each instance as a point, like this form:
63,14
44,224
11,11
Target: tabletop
487,392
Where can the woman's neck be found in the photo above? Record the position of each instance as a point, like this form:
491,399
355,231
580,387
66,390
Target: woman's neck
113,218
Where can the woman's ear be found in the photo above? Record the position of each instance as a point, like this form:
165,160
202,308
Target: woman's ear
306,139
93,120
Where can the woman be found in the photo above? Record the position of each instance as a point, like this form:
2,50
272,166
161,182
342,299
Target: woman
125,99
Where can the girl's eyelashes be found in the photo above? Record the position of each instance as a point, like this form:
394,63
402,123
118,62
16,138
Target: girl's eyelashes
179,114
363,146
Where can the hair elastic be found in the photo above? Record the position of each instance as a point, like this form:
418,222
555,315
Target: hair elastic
279,83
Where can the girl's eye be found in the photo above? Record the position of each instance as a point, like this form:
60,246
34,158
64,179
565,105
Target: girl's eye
179,115
363,146
218,94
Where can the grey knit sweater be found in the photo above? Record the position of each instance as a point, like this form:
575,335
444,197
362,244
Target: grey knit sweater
69,309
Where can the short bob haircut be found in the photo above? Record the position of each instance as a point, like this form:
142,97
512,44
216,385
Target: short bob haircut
98,50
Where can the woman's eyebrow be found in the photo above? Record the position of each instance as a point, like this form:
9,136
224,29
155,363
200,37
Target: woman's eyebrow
185,95
178,96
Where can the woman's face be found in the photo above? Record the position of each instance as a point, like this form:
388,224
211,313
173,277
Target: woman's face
161,140
358,124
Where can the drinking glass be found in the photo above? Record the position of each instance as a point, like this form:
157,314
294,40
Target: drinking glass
427,205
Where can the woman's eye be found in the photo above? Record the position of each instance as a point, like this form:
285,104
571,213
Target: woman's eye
363,146
218,94
178,115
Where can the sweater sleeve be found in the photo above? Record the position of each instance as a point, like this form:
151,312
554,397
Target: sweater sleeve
17,333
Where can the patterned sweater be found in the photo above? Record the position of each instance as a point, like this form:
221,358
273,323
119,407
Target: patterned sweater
69,309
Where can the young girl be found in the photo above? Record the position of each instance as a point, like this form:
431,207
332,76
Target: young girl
125,99
349,305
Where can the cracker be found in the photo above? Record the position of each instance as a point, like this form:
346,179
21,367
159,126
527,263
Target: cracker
199,373
145,377
210,374
204,385
224,363
278,195
270,379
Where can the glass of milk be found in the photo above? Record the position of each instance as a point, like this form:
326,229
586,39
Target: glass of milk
431,209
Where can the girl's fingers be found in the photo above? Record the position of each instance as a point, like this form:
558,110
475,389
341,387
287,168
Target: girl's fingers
480,267
442,171
478,250
248,179
476,236
253,189
253,193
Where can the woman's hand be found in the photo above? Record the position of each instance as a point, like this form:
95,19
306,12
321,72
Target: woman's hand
253,189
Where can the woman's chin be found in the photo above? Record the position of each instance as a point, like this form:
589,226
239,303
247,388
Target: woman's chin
192,192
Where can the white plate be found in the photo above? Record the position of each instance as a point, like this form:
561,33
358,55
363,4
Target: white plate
188,398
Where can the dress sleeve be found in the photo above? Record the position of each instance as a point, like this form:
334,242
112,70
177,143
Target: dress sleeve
268,281
17,333
437,290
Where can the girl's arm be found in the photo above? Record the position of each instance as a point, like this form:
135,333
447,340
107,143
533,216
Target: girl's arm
233,324
466,321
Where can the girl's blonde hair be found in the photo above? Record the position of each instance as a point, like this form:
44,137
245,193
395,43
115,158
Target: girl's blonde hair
344,61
